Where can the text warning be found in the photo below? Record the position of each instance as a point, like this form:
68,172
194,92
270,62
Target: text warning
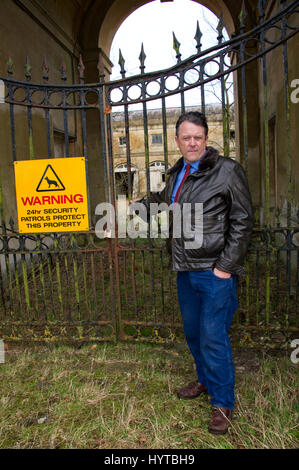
51,195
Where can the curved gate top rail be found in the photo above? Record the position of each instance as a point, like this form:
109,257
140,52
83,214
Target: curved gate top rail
218,56
199,69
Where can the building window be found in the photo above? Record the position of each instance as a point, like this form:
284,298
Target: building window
122,140
157,139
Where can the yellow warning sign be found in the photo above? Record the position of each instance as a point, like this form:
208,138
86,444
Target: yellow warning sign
51,195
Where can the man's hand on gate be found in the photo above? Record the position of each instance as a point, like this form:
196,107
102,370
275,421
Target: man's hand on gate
221,274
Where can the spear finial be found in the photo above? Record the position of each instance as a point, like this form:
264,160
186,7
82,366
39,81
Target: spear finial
27,69
45,69
142,58
11,223
63,70
242,16
197,37
121,62
176,46
10,65
220,29
261,7
81,69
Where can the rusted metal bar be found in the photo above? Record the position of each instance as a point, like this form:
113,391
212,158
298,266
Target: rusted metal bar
93,283
5,241
202,89
58,276
76,279
42,282
2,294
257,279
35,291
128,150
133,279
81,68
176,46
116,311
101,91
65,125
146,143
125,285
165,139
152,265
297,280
64,103
110,161
162,284
104,302
267,161
287,118
47,103
29,108
242,18
86,297
143,281
19,298
67,280
224,104
49,265
247,292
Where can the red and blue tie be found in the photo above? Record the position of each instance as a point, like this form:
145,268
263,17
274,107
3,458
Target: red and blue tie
187,173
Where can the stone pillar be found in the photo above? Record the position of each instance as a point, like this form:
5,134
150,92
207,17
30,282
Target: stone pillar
93,130
253,123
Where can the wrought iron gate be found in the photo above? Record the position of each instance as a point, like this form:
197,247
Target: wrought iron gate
80,287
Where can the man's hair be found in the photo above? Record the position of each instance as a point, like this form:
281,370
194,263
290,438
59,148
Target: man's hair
195,117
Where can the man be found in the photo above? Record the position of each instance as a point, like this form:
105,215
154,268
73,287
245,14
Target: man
207,274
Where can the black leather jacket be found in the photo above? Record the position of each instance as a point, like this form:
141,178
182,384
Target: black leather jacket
221,186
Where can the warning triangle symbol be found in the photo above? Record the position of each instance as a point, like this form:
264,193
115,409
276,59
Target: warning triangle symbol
50,181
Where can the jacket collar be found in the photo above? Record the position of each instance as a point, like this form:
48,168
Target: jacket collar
208,161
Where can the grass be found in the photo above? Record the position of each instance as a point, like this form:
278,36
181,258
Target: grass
123,397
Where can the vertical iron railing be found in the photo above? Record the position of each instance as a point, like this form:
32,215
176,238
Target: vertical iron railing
77,286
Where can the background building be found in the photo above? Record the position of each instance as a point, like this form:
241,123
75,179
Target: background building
157,162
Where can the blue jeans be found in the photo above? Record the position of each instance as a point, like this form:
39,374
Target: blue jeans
207,305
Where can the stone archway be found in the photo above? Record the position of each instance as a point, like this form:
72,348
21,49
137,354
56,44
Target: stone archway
96,33
120,10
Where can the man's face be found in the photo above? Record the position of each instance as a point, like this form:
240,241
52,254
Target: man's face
191,141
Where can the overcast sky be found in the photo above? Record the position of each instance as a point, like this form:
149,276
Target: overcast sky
152,25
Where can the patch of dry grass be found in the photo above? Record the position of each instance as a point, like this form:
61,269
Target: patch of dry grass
123,396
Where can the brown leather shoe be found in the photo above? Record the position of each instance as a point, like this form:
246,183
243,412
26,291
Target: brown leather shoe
220,420
192,390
